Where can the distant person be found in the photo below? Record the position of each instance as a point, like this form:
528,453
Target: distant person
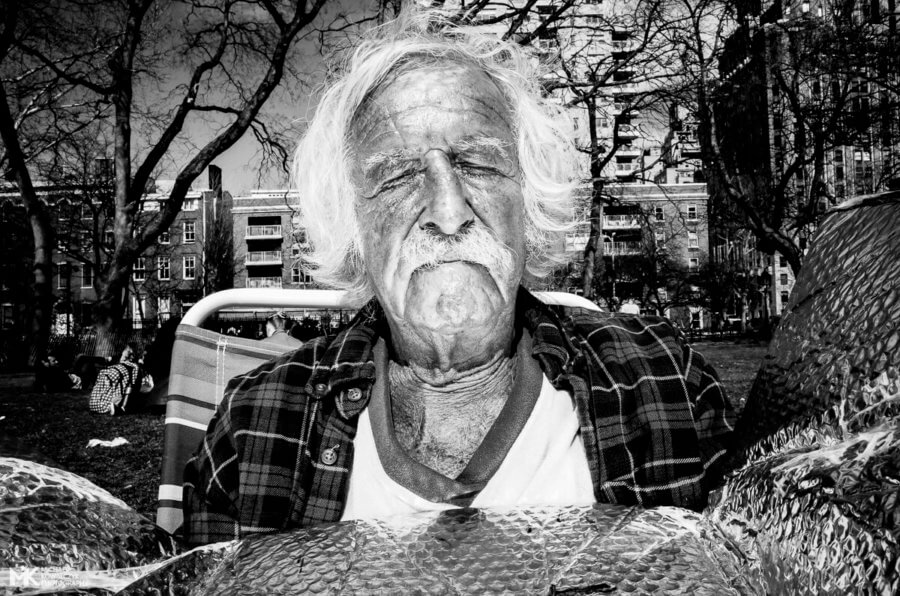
117,384
52,377
278,328
158,361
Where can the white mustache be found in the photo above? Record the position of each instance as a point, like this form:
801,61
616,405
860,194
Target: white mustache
475,244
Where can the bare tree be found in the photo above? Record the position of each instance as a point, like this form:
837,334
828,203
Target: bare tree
158,71
39,110
781,101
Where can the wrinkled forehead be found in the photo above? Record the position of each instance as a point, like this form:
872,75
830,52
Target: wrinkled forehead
423,84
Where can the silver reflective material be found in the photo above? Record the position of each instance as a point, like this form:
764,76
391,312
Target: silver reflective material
58,529
816,500
571,550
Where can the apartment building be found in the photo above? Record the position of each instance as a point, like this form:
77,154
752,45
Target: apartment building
269,242
655,244
809,108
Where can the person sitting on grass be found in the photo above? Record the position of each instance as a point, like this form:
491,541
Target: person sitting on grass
117,384
52,377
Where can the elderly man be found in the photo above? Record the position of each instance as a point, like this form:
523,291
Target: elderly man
434,179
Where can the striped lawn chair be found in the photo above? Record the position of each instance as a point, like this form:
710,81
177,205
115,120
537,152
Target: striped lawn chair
204,361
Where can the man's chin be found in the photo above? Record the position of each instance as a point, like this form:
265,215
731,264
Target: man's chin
453,295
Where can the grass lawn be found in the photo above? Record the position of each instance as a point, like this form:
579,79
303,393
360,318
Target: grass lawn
736,364
59,426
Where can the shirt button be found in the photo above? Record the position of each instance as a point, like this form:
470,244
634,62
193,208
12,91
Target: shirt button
329,456
354,394
321,388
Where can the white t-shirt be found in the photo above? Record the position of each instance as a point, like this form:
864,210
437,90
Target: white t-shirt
546,465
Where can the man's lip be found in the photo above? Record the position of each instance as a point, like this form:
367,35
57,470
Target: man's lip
448,262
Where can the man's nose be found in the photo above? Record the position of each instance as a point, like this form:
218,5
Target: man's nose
447,209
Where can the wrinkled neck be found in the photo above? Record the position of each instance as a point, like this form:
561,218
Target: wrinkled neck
410,382
441,417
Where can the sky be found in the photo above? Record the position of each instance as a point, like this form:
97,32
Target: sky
291,105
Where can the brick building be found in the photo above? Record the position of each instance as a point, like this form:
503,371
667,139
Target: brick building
165,281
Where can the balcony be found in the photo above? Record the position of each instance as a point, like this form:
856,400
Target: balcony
621,222
547,46
264,282
621,248
627,131
629,151
263,232
576,242
263,257
691,150
622,45
626,168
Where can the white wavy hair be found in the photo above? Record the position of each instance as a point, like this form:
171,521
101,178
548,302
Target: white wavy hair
321,174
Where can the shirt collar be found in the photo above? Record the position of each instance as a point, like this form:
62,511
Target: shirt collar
346,369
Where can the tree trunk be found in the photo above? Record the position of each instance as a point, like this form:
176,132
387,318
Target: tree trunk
109,310
41,230
42,313
593,267
593,252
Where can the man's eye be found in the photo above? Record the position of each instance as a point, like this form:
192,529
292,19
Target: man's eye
397,179
477,169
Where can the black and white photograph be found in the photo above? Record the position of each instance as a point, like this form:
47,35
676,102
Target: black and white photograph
550,297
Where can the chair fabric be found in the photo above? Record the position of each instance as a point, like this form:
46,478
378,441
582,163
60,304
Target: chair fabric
202,363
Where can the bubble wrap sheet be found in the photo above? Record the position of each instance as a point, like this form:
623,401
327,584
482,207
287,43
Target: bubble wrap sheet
59,530
572,550
815,499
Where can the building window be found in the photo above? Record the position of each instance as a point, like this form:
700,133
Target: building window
693,240
87,276
137,311
164,237
784,299
109,239
190,205
190,267
163,268
63,280
694,264
782,262
660,237
189,232
163,305
139,271
784,279
299,276
692,213
659,214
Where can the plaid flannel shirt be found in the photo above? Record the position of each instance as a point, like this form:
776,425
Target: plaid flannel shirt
654,421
